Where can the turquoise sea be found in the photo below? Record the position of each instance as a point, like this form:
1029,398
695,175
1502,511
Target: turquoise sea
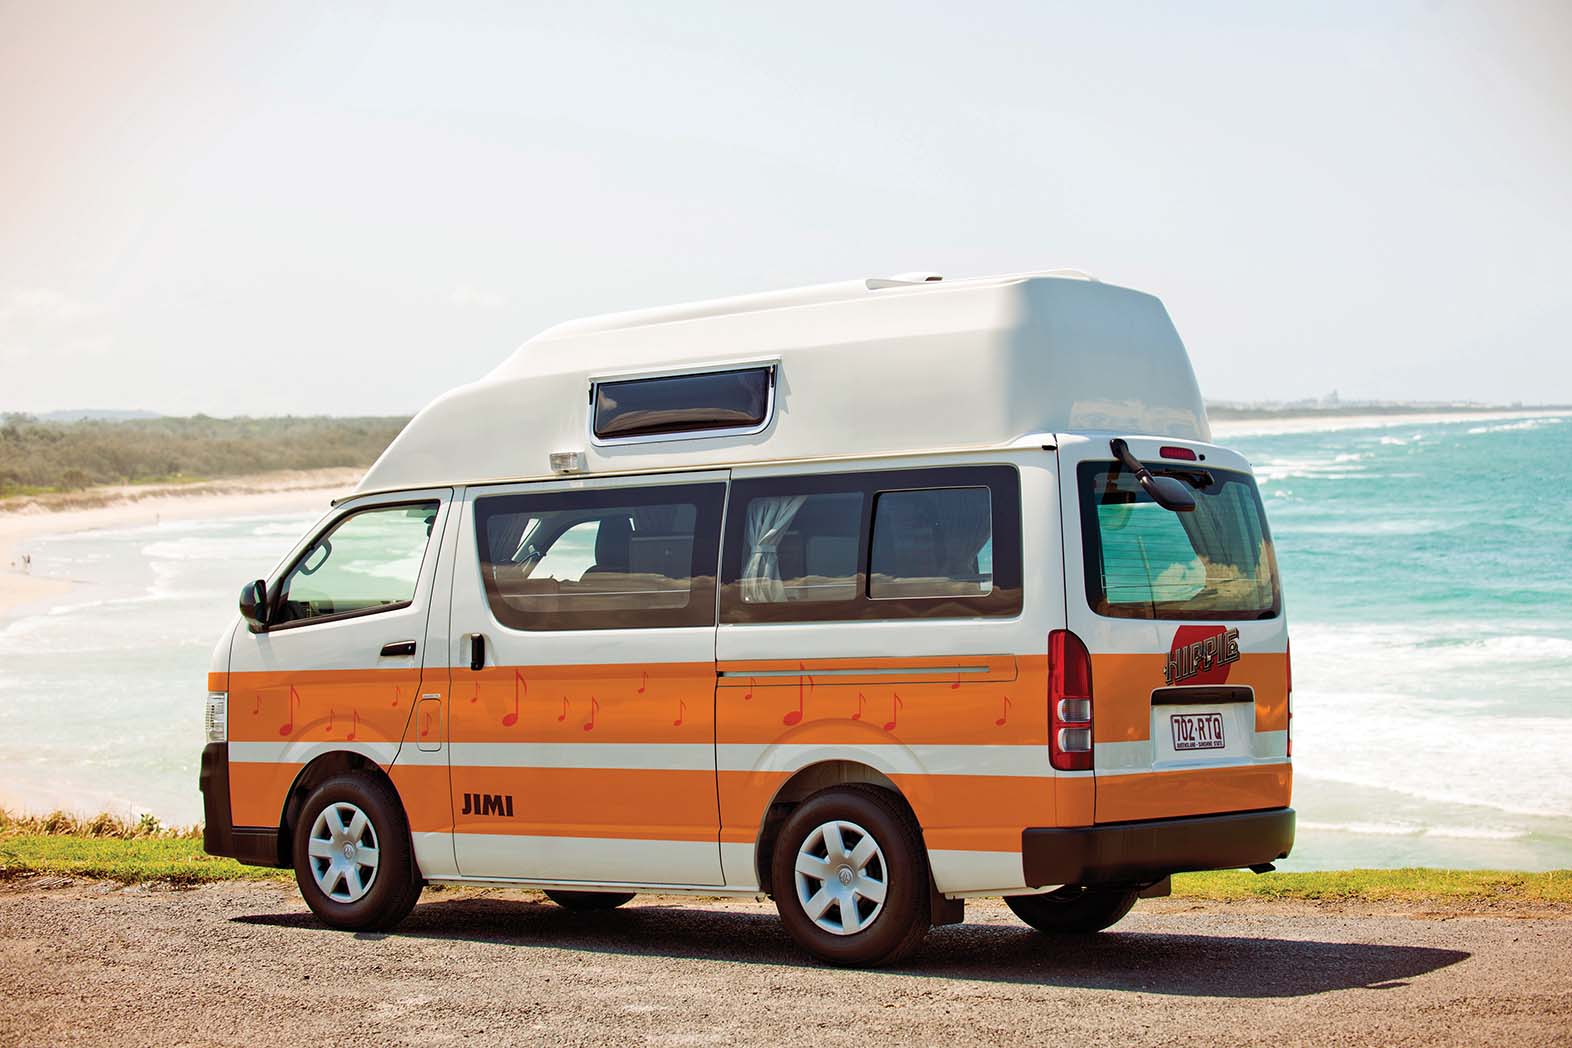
1427,568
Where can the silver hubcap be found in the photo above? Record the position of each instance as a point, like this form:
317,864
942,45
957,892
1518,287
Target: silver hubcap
343,852
841,877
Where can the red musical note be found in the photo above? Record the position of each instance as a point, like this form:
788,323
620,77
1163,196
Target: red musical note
564,714
425,726
475,697
355,730
258,707
682,711
957,683
332,716
510,719
1006,715
396,696
749,695
795,716
896,705
861,702
589,725
645,683
288,727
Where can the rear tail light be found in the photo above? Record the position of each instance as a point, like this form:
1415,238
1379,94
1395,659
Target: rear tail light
1288,692
1069,702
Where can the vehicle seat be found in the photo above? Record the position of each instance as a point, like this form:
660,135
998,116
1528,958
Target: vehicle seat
612,540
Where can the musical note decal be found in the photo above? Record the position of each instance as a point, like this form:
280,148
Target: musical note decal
396,696
644,683
861,702
589,725
425,726
355,729
332,716
1006,714
510,719
258,707
749,695
475,697
795,716
957,683
564,714
896,705
288,727
682,711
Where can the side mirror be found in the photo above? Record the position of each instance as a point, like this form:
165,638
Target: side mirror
1167,492
253,605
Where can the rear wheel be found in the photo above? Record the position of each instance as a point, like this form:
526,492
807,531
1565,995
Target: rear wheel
589,900
353,860
1073,908
850,877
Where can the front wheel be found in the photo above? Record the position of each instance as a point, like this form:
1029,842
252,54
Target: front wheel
1073,908
850,877
570,900
353,860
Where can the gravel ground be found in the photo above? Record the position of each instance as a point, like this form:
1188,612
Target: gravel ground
246,964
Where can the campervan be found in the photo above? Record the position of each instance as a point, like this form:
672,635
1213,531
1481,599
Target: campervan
870,597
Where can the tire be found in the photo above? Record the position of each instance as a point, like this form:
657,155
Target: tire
339,886
1073,909
589,900
852,929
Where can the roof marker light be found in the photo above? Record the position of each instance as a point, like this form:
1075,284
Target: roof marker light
1170,452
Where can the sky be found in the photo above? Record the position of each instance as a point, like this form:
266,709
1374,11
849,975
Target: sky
310,209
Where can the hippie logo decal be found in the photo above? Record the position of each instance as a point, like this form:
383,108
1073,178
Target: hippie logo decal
1201,655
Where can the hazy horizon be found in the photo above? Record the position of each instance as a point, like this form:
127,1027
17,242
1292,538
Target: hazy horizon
347,211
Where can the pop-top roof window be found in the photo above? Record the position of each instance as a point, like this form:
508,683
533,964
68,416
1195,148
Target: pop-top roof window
680,405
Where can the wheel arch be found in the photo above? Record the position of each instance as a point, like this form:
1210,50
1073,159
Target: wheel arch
320,769
804,783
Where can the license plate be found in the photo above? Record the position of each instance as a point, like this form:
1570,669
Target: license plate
1197,731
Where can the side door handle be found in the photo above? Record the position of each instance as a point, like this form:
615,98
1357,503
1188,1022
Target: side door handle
398,647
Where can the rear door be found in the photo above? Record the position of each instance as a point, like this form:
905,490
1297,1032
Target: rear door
1182,615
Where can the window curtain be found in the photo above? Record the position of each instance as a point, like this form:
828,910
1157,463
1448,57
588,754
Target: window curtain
768,520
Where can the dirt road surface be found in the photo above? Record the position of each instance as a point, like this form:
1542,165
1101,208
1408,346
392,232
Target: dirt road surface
246,964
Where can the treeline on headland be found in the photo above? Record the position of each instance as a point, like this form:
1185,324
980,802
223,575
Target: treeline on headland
38,456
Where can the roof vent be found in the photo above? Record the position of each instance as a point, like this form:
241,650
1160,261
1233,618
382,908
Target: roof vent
902,280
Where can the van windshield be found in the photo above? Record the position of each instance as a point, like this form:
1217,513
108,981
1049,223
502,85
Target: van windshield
1145,562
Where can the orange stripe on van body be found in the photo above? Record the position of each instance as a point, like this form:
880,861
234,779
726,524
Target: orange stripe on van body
1202,791
626,703
218,682
257,792
1122,687
321,705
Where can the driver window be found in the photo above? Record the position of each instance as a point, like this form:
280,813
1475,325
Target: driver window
370,561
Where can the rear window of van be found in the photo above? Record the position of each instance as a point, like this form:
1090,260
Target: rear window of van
1145,562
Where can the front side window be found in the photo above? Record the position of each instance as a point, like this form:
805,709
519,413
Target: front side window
605,559
1143,561
369,561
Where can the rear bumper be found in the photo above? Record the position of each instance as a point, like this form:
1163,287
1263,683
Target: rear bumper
252,845
1143,852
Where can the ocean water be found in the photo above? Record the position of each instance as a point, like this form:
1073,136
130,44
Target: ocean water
1427,569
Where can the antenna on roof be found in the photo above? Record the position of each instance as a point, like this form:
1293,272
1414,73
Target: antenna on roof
902,280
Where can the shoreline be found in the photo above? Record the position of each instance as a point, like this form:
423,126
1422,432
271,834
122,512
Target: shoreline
1266,424
24,519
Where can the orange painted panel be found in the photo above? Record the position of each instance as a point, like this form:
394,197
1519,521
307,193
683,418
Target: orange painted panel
323,705
218,682
592,802
1169,794
654,703
424,790
1123,686
257,792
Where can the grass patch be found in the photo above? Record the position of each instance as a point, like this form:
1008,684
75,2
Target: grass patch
1413,884
173,860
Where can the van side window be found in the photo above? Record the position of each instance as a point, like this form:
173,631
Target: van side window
369,561
887,545
603,559
701,404
935,543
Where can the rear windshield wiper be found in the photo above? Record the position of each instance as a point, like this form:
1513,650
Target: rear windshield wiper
1167,492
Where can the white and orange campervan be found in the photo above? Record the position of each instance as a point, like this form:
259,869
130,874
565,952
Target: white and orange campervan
871,597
